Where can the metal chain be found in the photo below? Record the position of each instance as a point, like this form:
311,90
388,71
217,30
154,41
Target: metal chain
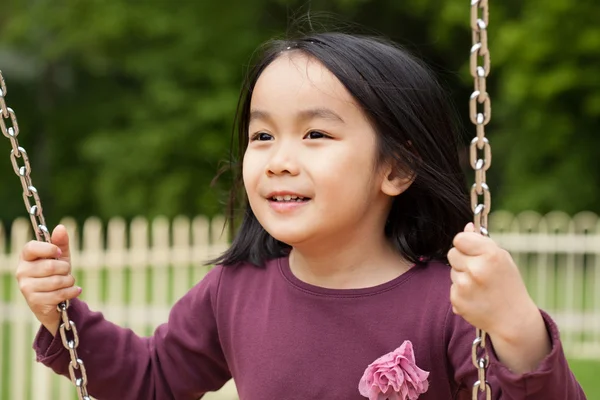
480,111
22,167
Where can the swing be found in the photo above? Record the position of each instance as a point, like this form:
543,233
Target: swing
480,160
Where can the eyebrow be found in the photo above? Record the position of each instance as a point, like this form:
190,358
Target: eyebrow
313,113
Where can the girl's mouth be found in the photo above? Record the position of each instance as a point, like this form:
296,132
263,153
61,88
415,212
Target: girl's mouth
288,199
287,203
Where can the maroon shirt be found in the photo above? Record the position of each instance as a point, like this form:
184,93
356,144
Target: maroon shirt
281,338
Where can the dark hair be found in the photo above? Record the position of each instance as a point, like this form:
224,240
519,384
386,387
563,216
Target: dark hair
415,126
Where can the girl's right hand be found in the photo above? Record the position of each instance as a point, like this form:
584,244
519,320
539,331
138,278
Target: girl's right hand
44,276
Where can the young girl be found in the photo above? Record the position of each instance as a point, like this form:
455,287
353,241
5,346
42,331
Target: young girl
337,285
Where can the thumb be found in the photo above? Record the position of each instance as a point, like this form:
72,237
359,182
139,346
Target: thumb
60,238
470,227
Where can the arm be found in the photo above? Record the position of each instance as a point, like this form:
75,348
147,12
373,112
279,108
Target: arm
487,291
549,379
524,342
183,359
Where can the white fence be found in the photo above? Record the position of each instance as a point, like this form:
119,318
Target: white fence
134,272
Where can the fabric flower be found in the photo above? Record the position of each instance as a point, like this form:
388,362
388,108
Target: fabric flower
394,376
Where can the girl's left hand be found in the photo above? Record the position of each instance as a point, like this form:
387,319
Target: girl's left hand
487,289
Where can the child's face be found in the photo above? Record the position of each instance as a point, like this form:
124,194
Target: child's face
308,138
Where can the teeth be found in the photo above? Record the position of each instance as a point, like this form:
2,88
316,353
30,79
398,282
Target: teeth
288,197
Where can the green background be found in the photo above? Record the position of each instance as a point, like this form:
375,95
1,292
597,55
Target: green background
126,107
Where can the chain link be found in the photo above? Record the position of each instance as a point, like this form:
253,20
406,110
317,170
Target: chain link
22,167
480,154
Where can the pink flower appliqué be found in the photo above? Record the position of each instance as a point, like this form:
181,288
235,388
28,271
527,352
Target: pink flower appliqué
394,376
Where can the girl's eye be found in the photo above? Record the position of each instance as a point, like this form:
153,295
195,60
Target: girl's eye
315,135
261,136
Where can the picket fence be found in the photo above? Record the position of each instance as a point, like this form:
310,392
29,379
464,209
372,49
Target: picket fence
133,272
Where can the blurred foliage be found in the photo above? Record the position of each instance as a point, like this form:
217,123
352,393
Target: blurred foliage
127,107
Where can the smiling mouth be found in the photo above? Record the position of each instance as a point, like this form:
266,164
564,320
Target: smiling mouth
288,199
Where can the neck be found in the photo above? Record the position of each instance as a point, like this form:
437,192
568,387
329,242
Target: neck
348,264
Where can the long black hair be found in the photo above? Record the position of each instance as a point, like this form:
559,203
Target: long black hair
416,130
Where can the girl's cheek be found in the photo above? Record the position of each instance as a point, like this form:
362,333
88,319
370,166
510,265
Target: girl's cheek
250,172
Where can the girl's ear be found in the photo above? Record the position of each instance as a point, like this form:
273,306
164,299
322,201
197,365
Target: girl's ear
396,181
398,178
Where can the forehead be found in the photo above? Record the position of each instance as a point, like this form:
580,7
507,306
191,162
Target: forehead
296,80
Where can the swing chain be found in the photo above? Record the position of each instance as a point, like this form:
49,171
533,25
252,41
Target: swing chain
480,154
22,167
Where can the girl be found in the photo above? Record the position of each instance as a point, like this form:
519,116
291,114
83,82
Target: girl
337,284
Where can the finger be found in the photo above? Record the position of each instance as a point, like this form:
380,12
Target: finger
456,300
44,268
470,227
60,238
34,250
457,260
458,290
56,297
52,283
47,284
459,279
472,244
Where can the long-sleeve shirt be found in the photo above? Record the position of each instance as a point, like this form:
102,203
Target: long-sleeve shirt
282,338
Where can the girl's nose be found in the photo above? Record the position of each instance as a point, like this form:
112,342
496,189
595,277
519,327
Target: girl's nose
282,161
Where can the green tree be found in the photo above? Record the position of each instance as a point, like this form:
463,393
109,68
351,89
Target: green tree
127,107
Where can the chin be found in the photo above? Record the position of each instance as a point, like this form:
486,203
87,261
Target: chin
291,237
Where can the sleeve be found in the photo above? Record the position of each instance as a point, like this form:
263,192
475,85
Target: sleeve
552,379
183,360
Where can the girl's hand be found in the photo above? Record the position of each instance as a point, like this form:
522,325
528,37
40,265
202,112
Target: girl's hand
487,288
44,276
488,292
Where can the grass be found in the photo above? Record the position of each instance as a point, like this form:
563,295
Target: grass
586,372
